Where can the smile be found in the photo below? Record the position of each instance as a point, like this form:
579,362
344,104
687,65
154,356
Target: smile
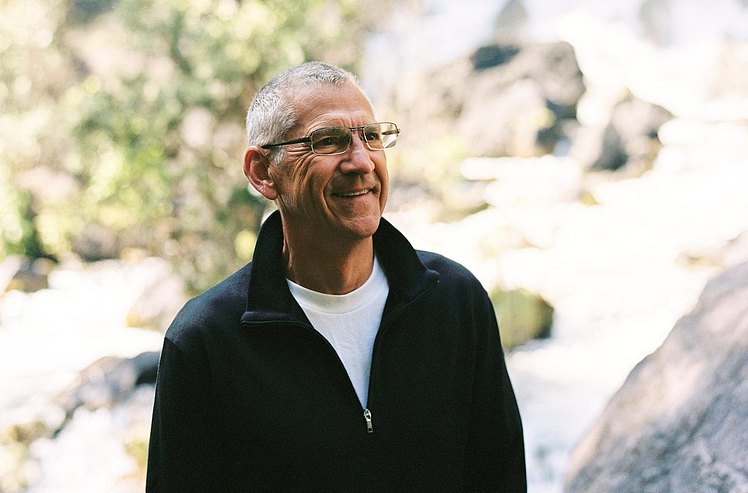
353,194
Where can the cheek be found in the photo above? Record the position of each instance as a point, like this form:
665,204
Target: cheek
287,177
302,187
383,175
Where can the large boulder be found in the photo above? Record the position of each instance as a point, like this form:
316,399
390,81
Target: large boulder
517,105
502,100
630,138
680,421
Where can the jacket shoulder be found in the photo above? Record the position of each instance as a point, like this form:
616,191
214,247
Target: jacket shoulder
220,306
450,271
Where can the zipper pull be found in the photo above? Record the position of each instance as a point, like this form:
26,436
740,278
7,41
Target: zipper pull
367,417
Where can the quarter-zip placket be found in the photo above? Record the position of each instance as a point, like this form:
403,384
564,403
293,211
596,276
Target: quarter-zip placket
386,323
308,327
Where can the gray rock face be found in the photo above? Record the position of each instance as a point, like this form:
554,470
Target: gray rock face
503,100
516,106
108,381
680,421
631,136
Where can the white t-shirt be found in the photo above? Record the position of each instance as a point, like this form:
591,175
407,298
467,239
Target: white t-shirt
349,322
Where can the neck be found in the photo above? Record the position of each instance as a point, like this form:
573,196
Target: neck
330,269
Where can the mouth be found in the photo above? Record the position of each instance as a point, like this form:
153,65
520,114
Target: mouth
356,193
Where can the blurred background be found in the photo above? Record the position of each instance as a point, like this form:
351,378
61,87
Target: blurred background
588,160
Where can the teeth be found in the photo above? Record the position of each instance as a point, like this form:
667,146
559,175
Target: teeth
354,194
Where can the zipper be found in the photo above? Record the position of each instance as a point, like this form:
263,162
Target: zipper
320,337
385,324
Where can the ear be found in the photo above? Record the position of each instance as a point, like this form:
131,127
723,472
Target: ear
257,171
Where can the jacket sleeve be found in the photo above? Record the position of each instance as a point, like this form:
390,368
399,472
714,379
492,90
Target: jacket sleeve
495,454
181,449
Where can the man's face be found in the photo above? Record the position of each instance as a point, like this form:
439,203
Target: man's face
338,197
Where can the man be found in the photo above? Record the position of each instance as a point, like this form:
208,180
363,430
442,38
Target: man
340,359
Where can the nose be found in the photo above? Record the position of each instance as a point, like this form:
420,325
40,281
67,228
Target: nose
358,158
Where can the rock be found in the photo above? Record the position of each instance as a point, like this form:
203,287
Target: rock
506,121
522,316
680,421
108,381
492,55
726,255
628,139
517,108
502,100
107,384
97,242
510,20
553,66
25,274
734,251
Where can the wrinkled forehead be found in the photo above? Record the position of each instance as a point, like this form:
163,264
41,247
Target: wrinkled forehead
330,104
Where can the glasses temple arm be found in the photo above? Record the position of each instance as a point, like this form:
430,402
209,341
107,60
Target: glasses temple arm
288,142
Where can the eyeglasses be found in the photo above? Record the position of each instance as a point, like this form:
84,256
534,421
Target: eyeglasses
336,140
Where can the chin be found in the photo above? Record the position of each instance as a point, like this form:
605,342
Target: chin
363,229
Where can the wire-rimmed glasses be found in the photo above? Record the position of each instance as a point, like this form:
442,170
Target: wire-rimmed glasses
336,140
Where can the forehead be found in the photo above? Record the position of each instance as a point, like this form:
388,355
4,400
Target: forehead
323,105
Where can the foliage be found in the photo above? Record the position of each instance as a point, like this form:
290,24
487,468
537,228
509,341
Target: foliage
137,448
122,121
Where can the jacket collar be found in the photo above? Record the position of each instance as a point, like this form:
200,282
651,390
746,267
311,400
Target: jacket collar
268,297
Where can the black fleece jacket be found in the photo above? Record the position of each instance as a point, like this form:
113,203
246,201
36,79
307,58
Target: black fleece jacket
251,398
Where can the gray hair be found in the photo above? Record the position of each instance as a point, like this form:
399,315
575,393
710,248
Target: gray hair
271,116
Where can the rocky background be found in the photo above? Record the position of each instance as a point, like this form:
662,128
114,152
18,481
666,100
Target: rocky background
607,175
587,160
678,422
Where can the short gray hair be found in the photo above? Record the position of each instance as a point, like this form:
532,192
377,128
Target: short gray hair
271,116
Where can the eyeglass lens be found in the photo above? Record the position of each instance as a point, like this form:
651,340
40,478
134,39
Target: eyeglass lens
335,140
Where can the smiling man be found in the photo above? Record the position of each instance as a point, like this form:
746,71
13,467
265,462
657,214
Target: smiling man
340,358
